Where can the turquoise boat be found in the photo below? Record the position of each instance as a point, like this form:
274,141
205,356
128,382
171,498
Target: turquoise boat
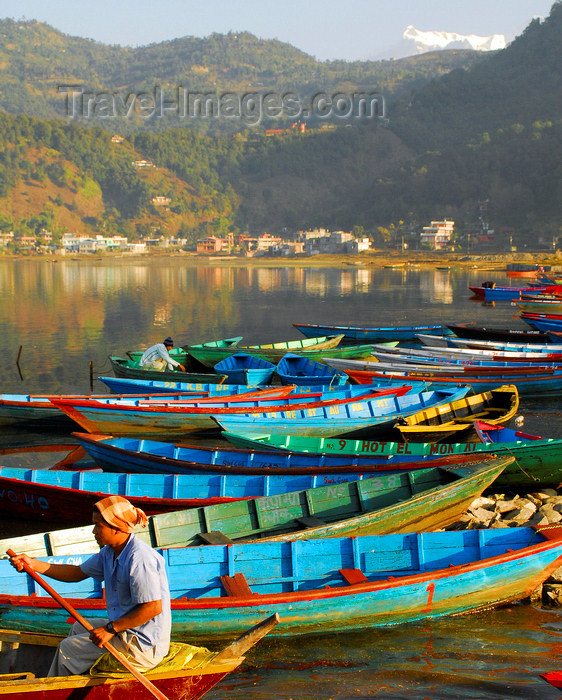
171,418
326,585
428,500
371,420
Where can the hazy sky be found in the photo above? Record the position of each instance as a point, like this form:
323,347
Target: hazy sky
326,29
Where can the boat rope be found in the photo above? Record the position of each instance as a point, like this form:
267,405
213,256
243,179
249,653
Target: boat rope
529,476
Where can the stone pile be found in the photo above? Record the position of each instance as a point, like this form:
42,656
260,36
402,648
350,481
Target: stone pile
540,509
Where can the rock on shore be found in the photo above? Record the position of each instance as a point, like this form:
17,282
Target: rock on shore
541,509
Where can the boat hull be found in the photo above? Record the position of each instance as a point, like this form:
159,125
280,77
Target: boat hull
320,585
373,334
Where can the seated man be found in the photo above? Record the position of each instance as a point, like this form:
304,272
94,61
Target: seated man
158,358
136,593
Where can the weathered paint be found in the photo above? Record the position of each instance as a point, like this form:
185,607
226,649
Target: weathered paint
409,577
425,500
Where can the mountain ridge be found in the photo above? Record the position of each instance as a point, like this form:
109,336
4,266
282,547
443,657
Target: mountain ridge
415,41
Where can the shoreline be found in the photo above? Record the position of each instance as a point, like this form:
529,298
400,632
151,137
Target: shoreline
377,259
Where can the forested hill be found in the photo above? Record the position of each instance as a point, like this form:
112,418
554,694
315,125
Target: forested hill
38,62
490,131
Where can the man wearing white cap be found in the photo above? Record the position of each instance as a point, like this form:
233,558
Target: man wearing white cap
158,358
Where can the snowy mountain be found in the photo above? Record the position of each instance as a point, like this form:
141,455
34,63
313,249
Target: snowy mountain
415,42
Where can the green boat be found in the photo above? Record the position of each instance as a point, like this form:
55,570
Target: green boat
538,461
424,500
312,348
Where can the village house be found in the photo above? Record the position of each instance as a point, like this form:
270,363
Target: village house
438,235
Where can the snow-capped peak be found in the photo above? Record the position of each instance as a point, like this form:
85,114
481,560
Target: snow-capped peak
414,42
434,40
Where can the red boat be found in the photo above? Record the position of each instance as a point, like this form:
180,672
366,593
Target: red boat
554,678
204,670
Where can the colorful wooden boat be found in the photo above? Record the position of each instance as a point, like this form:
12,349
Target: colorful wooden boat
121,385
473,357
546,323
533,383
241,368
507,334
116,454
27,654
182,356
528,353
496,345
495,293
455,420
37,411
537,460
364,419
272,352
373,334
540,305
295,369
66,497
125,367
426,500
328,585
170,418
554,678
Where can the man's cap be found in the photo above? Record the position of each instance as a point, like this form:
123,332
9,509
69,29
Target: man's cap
168,341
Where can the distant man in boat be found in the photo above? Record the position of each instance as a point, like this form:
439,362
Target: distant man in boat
158,358
136,593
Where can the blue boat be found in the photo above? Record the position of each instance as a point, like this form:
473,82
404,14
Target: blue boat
66,497
370,420
165,418
241,368
299,370
330,585
544,323
374,334
122,385
125,454
489,291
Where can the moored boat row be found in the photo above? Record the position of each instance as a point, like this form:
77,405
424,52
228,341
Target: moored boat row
297,519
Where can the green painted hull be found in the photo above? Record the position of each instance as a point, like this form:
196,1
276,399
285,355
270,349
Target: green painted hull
314,348
425,500
537,462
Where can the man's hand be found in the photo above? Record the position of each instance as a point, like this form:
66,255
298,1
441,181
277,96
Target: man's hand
20,559
100,636
182,368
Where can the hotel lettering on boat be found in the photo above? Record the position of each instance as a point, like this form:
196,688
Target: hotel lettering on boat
403,448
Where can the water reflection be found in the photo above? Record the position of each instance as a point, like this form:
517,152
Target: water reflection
71,313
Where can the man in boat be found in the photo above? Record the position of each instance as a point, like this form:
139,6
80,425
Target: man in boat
136,593
158,358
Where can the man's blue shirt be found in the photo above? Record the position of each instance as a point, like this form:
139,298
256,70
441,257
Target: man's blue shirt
137,575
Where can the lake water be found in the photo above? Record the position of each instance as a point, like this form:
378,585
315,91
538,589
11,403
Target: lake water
64,318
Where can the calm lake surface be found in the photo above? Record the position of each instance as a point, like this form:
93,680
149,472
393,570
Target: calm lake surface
68,316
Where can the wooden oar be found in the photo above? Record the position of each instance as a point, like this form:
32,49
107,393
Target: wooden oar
76,615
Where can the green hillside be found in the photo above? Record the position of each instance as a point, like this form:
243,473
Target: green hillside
461,128
41,67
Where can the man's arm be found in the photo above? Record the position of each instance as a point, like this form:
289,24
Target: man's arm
68,573
137,616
